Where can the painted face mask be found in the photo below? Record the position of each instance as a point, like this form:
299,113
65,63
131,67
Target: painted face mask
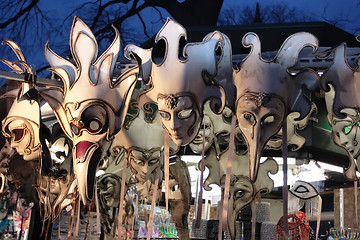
143,138
267,92
341,85
183,77
92,106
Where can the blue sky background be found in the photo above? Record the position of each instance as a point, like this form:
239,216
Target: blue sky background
348,10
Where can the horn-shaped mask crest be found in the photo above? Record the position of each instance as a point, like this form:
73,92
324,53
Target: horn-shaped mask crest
92,106
267,92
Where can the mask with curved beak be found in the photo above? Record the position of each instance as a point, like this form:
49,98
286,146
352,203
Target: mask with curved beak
341,85
184,78
92,105
267,92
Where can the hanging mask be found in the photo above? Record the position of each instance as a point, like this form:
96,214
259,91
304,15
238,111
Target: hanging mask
180,197
143,139
213,125
92,105
183,77
243,191
22,123
267,92
341,85
293,138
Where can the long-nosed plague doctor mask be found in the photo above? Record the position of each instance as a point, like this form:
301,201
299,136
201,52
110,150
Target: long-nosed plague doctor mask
184,77
22,124
341,84
267,92
92,106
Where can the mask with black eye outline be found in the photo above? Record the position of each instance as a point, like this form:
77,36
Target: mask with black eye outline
241,193
144,163
180,117
89,128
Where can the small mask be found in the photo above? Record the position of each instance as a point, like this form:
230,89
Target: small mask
183,78
267,92
180,197
92,106
213,125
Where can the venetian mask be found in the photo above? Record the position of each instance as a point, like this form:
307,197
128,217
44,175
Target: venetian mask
183,77
180,197
92,105
341,83
143,139
22,124
267,92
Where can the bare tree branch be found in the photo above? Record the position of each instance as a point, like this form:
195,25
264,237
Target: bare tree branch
23,11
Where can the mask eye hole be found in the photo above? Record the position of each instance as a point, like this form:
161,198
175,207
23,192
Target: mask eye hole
75,129
249,117
164,115
268,120
94,126
185,113
239,194
347,129
18,134
153,161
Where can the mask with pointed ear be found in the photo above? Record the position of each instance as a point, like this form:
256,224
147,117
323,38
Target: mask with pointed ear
22,123
267,92
341,85
183,77
92,105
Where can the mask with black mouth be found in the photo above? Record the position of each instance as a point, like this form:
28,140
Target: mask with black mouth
92,105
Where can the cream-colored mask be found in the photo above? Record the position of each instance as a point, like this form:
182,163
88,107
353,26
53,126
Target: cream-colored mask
92,105
22,124
184,78
267,92
143,139
341,85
